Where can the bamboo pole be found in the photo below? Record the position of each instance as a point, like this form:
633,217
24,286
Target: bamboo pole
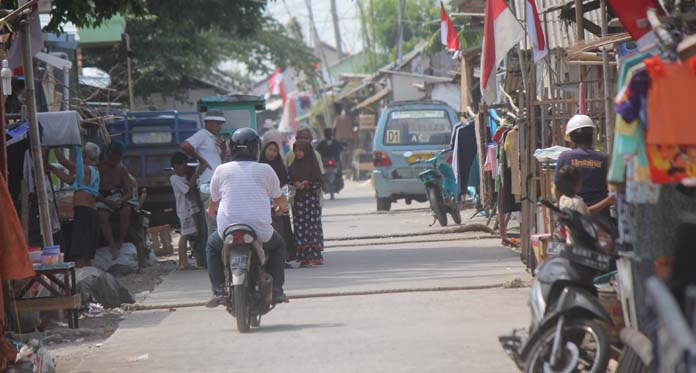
34,138
605,77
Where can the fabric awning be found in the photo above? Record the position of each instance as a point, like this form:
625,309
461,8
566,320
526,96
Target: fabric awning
374,98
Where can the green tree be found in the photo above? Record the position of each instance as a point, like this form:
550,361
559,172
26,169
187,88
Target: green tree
175,41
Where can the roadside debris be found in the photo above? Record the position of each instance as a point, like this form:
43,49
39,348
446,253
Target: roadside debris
97,286
33,357
517,283
139,358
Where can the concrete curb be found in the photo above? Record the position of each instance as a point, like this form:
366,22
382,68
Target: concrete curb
382,243
171,306
474,227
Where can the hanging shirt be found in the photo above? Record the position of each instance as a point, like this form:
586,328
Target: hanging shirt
671,102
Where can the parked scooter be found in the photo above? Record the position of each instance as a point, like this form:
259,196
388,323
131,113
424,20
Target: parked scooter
565,335
440,187
333,177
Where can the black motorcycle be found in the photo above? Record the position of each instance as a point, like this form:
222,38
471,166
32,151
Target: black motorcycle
565,335
249,288
333,178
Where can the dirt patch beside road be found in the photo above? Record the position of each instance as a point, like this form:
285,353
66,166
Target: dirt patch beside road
69,346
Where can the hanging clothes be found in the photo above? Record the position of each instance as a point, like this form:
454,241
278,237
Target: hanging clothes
509,201
670,102
513,157
464,152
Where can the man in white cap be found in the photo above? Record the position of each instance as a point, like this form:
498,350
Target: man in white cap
592,165
206,147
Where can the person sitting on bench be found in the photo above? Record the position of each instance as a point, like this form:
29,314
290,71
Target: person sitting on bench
115,191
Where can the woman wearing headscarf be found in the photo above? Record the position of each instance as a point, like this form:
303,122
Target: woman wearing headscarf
305,177
272,154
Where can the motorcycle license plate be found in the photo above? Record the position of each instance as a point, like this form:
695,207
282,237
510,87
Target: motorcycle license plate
239,261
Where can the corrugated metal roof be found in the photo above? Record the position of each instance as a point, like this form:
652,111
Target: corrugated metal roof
559,34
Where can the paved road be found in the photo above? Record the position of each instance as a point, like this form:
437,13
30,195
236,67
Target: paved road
451,331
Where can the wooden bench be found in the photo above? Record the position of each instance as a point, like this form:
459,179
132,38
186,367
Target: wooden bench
62,291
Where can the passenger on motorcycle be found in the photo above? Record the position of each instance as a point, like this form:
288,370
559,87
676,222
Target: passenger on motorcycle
240,193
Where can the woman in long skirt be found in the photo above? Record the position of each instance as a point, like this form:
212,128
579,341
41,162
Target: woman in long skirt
272,154
306,177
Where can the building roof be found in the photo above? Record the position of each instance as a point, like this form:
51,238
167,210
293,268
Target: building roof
107,34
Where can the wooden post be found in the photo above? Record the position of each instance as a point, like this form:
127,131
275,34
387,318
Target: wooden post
605,81
464,87
3,145
34,138
484,191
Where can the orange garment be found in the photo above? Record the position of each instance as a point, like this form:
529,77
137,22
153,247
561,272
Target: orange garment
14,257
671,101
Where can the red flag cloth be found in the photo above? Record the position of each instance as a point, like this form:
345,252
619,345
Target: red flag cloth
276,84
501,31
582,105
535,32
632,11
448,34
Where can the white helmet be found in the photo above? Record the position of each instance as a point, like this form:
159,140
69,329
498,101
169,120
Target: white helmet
578,121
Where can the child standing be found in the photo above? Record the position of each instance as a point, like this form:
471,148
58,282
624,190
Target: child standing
186,208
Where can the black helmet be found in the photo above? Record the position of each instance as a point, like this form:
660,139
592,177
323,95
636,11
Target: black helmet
245,142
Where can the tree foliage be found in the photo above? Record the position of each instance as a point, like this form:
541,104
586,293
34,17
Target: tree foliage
421,22
173,42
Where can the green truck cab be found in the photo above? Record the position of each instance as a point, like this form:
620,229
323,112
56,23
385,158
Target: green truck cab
240,110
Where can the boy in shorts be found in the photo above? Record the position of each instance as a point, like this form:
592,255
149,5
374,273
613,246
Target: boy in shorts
186,207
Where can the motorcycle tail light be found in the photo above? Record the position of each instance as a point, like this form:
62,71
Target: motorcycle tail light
381,159
238,238
331,163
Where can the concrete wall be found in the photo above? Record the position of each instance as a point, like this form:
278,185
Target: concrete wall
403,89
447,92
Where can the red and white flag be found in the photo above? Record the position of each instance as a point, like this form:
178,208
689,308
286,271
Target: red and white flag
276,86
448,34
501,31
631,12
535,32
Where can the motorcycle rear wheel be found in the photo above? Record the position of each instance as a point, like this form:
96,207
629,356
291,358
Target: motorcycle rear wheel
540,351
241,307
437,205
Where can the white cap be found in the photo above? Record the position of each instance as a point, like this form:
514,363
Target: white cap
578,121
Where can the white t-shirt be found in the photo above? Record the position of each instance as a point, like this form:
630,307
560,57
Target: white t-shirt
205,144
185,206
245,190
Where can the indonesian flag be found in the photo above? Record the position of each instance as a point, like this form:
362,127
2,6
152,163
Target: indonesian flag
276,86
534,31
448,34
501,31
630,12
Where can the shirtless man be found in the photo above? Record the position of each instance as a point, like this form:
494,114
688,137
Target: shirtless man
115,191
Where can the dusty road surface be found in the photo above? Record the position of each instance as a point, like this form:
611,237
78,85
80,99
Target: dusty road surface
370,313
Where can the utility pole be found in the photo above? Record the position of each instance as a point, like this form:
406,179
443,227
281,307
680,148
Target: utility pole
337,29
34,138
400,32
317,42
131,105
366,37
